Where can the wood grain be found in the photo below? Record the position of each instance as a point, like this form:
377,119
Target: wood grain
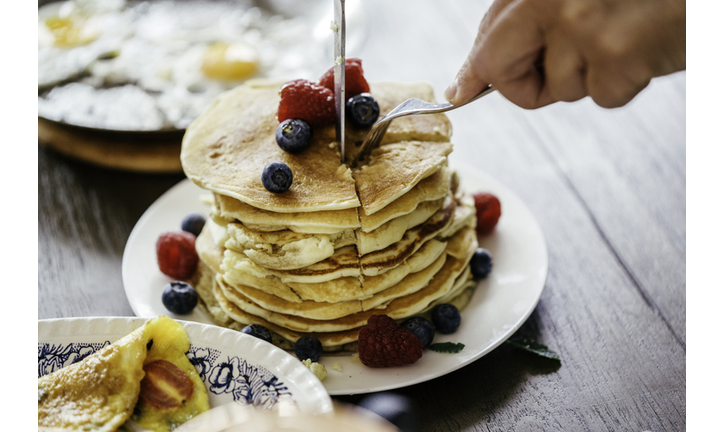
608,188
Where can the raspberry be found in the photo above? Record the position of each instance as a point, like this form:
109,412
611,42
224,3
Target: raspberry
383,343
176,254
487,207
354,80
308,101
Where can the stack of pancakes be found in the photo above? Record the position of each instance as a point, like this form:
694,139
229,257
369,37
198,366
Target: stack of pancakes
392,236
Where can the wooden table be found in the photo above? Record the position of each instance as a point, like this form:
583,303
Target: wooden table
608,188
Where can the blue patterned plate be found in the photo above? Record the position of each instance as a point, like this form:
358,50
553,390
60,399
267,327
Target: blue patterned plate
234,366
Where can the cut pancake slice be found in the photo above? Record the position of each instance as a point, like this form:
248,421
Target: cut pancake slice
378,262
426,127
430,188
226,148
391,232
394,169
321,222
428,253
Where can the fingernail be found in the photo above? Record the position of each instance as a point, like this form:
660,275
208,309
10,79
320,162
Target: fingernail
451,91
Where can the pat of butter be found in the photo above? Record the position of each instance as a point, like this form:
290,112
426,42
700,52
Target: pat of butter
317,369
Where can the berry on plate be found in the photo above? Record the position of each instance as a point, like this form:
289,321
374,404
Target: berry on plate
362,110
487,207
193,223
354,79
446,318
383,343
308,101
179,297
308,347
258,331
422,328
277,177
176,254
481,263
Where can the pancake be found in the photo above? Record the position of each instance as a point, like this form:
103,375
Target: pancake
427,127
424,257
322,222
392,231
263,305
378,262
394,169
225,150
434,187
285,250
343,263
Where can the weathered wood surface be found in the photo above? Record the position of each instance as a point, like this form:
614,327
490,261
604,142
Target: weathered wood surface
608,188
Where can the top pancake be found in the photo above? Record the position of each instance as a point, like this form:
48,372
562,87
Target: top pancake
226,148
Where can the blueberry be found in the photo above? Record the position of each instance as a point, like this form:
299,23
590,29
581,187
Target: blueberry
193,223
277,177
362,110
308,347
399,410
422,328
179,297
294,135
259,331
446,318
481,263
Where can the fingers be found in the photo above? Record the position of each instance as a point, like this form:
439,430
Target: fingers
511,54
468,82
564,69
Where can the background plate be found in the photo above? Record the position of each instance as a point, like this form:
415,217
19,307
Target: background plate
64,341
501,303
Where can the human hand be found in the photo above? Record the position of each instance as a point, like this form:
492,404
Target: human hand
536,52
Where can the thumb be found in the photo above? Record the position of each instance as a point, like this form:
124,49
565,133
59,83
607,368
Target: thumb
469,80
467,83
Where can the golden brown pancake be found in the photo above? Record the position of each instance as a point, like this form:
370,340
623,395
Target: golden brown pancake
434,187
394,169
225,150
322,222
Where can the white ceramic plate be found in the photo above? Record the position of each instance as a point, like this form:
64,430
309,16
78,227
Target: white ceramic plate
261,374
501,303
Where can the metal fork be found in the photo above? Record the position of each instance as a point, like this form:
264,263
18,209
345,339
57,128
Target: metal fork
409,107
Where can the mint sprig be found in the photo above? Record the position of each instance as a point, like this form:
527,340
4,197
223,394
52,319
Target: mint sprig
534,347
447,347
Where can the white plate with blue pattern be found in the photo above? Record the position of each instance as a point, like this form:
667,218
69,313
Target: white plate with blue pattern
233,366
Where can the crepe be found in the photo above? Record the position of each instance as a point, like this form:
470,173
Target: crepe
104,390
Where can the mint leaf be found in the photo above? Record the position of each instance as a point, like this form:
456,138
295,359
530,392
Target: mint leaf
534,347
447,347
